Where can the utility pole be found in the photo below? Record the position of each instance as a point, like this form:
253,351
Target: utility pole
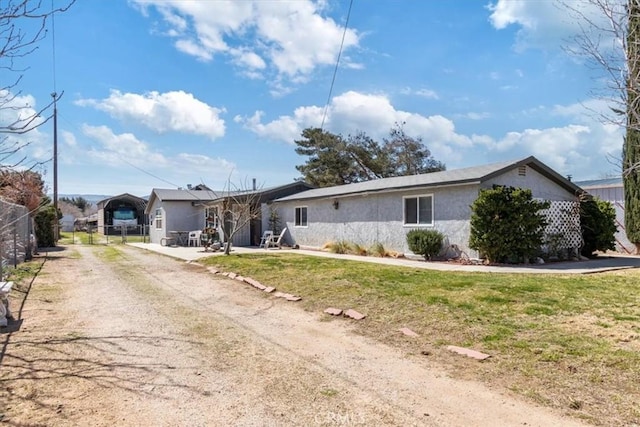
56,225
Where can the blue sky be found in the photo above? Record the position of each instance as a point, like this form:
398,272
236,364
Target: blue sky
162,93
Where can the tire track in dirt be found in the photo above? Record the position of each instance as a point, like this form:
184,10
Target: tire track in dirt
140,339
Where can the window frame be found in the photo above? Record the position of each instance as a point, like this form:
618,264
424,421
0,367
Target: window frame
297,209
418,223
158,215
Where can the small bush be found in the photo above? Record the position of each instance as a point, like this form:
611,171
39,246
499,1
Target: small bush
507,224
427,243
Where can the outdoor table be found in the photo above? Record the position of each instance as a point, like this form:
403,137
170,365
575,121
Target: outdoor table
181,237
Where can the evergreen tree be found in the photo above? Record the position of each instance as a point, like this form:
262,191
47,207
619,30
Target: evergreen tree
408,155
329,163
335,160
631,148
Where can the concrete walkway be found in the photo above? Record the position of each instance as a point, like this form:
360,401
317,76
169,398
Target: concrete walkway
598,265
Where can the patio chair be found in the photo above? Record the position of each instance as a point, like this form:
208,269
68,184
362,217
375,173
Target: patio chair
194,237
276,241
266,236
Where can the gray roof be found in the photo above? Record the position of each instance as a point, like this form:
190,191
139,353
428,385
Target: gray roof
475,174
600,183
167,194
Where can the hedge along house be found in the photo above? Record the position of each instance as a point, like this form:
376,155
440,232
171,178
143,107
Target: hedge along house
247,210
126,211
384,210
178,210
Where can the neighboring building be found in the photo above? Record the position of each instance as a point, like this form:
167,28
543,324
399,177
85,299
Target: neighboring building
190,210
123,211
384,210
178,210
67,222
612,190
257,201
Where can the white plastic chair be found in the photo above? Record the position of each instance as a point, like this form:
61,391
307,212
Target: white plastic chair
266,236
276,241
194,237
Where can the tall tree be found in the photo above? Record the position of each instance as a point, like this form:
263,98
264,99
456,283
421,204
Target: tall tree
631,149
328,160
335,160
608,40
408,155
370,159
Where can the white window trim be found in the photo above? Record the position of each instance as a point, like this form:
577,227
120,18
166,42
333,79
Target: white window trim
155,219
433,213
294,216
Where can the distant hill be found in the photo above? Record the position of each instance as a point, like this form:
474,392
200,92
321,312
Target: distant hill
91,198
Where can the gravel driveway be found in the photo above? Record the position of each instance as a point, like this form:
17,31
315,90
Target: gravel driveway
117,335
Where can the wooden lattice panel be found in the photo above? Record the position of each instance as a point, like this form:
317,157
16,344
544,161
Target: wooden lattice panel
563,228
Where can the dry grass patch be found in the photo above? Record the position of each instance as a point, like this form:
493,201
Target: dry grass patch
564,341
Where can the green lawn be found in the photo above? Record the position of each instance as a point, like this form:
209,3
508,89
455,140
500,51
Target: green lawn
568,341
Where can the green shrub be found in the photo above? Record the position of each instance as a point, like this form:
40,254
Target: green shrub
44,222
598,225
427,243
506,224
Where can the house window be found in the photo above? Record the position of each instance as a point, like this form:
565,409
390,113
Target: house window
522,170
418,210
301,216
158,219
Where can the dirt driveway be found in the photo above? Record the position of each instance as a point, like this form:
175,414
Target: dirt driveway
117,335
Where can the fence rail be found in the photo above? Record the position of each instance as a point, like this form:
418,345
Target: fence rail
17,243
105,235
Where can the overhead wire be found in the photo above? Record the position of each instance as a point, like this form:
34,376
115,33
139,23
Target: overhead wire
335,70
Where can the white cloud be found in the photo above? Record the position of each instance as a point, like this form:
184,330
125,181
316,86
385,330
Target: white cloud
425,93
543,24
292,38
121,150
372,113
578,147
163,112
20,113
477,116
68,138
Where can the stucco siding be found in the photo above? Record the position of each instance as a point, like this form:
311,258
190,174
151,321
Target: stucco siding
368,219
176,216
541,187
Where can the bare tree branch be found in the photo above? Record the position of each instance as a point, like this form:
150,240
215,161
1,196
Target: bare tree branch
23,25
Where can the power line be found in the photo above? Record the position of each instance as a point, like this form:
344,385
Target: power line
335,70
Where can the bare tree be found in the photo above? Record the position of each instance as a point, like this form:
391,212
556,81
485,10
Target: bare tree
23,25
238,205
601,41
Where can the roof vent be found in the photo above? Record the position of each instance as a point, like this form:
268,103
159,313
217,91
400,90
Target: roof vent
522,170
